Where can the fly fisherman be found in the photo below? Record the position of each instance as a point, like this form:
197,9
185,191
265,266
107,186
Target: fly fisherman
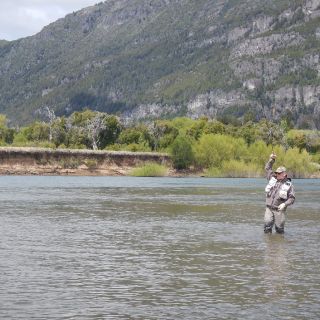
280,195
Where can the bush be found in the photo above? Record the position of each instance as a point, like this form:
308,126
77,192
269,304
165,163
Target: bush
215,127
299,163
258,153
181,152
69,163
91,163
213,172
136,147
304,139
150,169
316,158
20,141
240,169
297,138
213,149
236,169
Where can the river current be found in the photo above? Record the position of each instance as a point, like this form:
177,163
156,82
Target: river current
155,248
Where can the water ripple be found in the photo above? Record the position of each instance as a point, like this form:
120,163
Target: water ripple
108,248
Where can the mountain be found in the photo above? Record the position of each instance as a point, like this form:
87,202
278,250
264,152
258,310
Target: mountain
162,58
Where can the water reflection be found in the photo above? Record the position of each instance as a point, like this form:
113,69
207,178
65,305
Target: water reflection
276,265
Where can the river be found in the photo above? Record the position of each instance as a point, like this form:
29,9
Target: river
155,248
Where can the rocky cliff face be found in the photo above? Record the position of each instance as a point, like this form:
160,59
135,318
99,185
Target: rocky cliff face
158,58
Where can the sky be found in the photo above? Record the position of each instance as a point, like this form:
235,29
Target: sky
22,18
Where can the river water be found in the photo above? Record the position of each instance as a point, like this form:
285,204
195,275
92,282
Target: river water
155,248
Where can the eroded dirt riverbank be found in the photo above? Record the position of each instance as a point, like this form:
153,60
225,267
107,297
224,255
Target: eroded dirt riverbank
40,161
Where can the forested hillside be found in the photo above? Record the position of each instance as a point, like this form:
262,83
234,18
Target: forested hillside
141,59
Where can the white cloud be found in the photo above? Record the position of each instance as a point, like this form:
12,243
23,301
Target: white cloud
21,18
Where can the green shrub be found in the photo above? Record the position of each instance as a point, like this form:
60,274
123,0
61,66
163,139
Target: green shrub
150,169
181,152
69,163
20,140
114,147
213,172
91,163
236,169
259,152
316,158
213,149
299,163
43,161
304,139
32,144
136,147
240,169
215,127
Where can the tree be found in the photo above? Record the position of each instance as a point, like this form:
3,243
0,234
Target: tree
111,132
137,138
164,133
76,137
6,134
215,127
80,119
51,116
3,120
248,132
196,129
272,133
94,128
59,131
37,131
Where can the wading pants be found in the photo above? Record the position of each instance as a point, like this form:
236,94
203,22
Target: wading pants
274,217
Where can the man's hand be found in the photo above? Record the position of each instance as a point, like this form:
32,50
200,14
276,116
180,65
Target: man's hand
273,156
282,206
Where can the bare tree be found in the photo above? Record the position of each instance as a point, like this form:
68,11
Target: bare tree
95,126
49,113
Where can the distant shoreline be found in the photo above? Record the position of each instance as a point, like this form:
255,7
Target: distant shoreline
43,161
78,162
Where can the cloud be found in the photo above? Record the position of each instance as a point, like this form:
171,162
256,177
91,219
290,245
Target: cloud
21,18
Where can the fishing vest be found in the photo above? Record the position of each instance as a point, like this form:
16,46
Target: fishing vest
283,190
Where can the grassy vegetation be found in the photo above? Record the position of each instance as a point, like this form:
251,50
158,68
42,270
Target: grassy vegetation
236,169
71,163
150,169
91,163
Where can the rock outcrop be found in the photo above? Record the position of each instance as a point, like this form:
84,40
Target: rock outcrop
148,59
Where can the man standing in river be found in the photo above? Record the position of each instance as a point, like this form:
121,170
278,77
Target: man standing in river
279,195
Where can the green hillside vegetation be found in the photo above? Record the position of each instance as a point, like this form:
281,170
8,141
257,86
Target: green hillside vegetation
116,56
210,146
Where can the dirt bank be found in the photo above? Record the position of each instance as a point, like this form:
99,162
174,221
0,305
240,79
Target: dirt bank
40,161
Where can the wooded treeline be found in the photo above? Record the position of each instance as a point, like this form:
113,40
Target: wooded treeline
221,148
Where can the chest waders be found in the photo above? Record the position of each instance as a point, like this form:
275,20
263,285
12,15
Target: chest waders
276,193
